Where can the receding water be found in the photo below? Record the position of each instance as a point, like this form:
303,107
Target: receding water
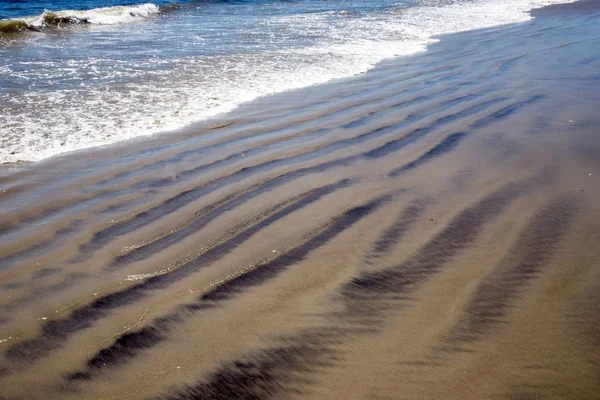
75,79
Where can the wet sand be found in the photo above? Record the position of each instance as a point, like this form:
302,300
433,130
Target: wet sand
427,230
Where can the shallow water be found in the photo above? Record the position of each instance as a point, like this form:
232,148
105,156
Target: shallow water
101,75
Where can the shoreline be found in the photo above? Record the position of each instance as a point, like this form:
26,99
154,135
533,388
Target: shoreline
207,114
433,217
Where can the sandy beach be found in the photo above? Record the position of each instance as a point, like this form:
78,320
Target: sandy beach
426,230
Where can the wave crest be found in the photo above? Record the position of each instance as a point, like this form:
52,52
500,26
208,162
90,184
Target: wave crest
13,26
99,16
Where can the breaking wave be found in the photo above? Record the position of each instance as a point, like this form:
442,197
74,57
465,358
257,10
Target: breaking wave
99,16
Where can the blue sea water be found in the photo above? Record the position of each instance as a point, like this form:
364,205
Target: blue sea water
76,74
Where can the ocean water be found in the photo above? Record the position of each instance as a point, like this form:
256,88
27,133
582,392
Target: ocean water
77,74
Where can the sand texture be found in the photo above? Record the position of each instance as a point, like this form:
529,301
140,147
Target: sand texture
427,230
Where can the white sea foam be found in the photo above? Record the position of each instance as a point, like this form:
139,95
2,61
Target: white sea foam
165,94
100,16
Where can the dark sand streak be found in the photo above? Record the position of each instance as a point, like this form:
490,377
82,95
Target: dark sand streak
54,333
531,252
132,344
365,300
